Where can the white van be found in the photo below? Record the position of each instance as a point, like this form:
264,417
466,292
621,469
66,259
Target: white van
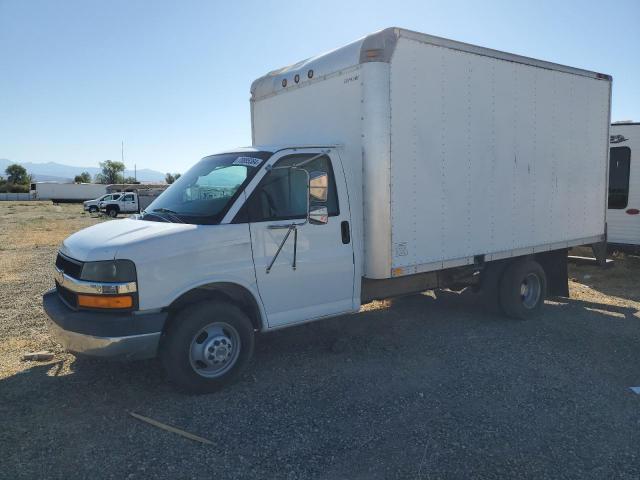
623,214
399,163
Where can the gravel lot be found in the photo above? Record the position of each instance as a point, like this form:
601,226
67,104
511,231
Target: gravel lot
426,386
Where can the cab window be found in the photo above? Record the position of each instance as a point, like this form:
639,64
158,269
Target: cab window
282,193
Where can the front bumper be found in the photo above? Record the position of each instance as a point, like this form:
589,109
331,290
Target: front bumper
128,335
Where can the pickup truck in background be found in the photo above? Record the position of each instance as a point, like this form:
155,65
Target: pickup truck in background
129,202
399,163
93,206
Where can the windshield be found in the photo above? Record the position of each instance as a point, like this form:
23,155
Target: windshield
205,193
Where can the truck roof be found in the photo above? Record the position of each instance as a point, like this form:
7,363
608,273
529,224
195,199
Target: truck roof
379,47
273,148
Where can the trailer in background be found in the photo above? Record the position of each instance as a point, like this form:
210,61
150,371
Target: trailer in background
134,187
66,192
623,209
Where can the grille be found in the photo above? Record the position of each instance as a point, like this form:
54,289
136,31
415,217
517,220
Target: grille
73,268
67,296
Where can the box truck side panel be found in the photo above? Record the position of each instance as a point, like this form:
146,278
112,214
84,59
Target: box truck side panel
491,157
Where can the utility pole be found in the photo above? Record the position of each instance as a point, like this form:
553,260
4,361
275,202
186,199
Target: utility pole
122,159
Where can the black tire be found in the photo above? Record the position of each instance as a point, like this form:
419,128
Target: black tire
93,209
112,212
518,286
183,336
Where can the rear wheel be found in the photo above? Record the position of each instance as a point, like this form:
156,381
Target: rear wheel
112,212
523,288
207,346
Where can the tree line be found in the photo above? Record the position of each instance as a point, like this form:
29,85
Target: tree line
18,180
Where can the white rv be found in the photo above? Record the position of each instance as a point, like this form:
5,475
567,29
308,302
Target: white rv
623,214
398,163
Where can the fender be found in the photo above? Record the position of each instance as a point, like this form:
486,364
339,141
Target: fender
241,295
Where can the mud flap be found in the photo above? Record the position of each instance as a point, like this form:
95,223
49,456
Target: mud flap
555,267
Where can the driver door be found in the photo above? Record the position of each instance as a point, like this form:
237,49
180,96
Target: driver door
320,282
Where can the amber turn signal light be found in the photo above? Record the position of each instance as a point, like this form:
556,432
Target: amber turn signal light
98,301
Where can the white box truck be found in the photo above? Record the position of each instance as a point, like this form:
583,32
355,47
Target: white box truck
399,163
623,214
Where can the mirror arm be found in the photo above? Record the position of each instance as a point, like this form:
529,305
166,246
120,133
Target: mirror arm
284,240
295,246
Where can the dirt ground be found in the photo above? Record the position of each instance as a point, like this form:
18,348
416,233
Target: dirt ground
425,386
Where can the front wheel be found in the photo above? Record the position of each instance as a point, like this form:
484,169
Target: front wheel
523,288
93,209
206,346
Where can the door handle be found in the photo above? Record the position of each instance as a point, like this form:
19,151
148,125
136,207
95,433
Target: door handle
346,234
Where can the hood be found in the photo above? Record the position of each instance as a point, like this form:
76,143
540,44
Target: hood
102,241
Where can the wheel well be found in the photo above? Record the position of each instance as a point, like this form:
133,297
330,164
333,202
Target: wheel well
554,264
224,292
113,207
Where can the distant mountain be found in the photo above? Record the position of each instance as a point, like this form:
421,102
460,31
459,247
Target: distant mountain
52,171
51,178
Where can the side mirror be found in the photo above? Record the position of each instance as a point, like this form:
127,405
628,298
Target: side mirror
318,186
318,215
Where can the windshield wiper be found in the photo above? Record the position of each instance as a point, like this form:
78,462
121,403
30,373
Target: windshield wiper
170,213
144,213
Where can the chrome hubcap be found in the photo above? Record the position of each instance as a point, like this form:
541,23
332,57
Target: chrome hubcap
214,349
218,350
530,289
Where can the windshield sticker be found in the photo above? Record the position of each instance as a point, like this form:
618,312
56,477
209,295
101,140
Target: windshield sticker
247,161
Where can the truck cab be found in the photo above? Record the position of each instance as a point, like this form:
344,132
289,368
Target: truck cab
126,202
93,206
245,241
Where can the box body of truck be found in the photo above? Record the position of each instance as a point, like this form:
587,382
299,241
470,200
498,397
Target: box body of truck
623,214
454,153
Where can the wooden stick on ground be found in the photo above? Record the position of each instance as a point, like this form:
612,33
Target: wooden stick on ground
171,429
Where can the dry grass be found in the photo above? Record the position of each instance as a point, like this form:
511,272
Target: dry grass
618,285
30,234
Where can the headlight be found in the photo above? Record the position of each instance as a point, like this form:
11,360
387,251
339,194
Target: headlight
109,271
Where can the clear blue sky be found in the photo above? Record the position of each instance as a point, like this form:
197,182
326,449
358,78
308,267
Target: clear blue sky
172,78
